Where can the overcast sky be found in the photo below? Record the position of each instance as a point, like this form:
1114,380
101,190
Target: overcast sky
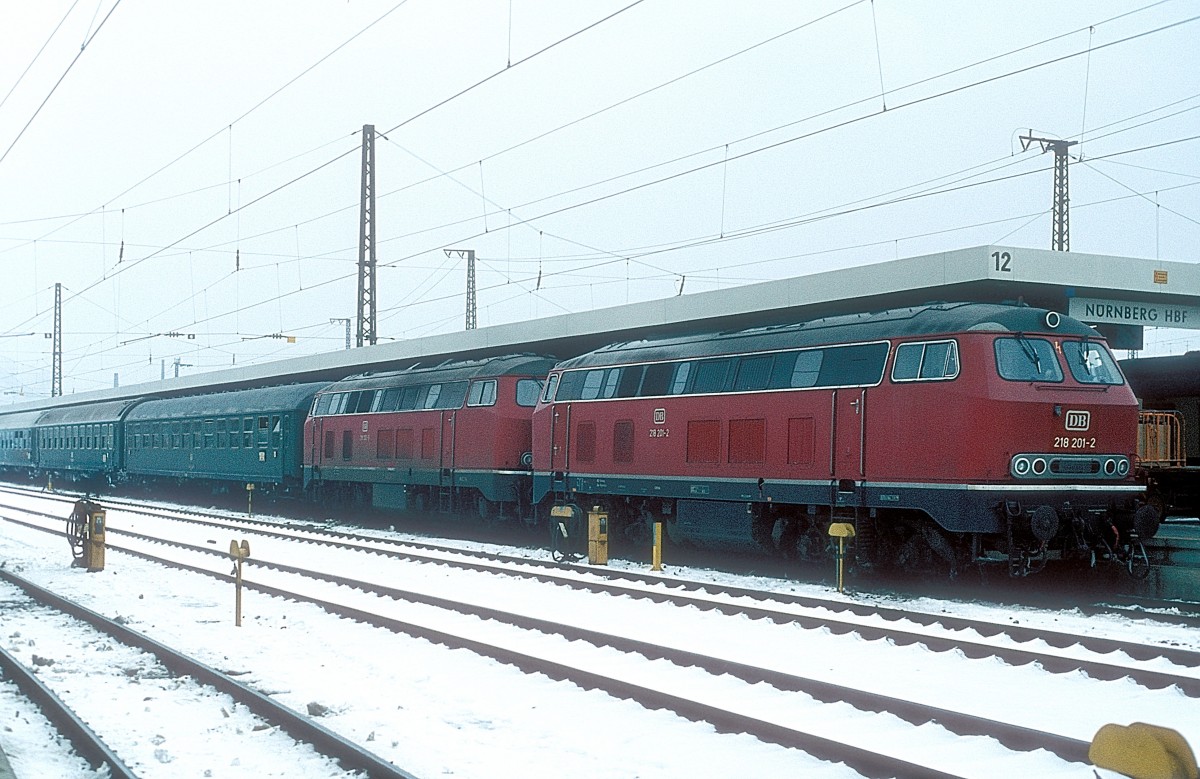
197,169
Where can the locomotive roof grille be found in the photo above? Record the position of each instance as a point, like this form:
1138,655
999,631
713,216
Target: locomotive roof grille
921,321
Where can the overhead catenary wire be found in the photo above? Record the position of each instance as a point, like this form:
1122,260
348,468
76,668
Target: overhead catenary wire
514,221
87,42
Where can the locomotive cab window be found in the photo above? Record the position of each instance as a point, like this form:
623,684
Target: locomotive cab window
527,392
931,361
1090,363
1027,359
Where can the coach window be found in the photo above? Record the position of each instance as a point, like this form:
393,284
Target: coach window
1090,363
1027,359
551,386
222,435
276,432
235,433
528,391
482,393
247,432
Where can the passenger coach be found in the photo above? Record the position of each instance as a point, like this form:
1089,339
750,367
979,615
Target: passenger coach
249,436
945,434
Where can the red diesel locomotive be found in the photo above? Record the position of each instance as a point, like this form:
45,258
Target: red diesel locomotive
451,437
946,434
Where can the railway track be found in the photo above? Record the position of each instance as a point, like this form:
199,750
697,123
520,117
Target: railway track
874,626
92,644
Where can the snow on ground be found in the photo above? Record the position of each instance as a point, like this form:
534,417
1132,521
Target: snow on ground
439,712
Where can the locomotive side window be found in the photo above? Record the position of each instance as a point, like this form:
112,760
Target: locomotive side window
528,391
753,373
483,393
431,397
926,361
1090,363
453,394
1027,359
592,381
631,379
551,386
408,401
856,365
657,380
807,368
679,383
391,399
710,376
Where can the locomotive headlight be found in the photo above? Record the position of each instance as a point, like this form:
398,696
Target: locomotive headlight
1110,467
1122,466
1039,466
1020,466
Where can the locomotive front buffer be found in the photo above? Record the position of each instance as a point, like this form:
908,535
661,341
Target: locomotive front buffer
1038,533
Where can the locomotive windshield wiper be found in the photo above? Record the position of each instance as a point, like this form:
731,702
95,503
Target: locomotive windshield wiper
1030,352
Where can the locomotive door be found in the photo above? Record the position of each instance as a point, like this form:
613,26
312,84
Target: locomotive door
560,443
848,459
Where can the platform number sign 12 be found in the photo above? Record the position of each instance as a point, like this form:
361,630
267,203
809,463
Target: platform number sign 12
1002,262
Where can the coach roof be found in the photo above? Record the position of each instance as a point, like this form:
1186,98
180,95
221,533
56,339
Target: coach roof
288,397
921,321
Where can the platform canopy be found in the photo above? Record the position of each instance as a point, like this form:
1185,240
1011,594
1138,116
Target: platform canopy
1120,295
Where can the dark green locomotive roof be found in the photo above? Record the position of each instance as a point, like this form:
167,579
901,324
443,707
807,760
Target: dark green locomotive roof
919,321
509,365
262,400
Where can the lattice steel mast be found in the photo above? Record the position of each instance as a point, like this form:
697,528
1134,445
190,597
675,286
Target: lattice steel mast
1061,239
366,242
56,358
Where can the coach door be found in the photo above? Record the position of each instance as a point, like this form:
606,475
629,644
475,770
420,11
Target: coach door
849,433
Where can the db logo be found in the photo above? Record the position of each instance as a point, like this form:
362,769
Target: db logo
660,416
1078,420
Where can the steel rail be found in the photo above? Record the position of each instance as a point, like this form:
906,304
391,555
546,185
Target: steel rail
349,754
